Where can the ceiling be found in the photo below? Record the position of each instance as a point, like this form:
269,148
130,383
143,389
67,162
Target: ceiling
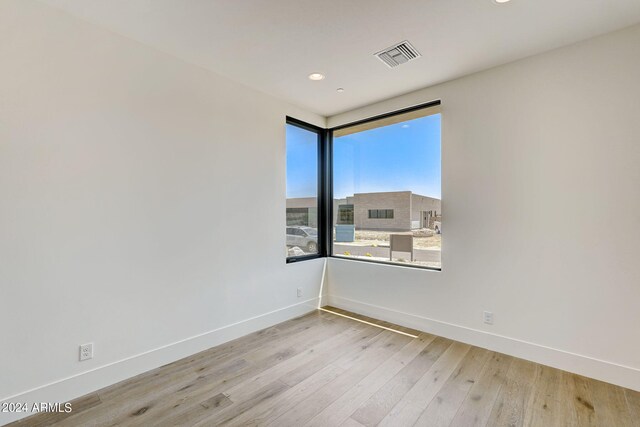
273,45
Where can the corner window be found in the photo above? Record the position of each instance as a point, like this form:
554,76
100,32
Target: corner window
386,188
302,213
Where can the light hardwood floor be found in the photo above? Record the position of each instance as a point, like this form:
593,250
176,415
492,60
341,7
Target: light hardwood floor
326,370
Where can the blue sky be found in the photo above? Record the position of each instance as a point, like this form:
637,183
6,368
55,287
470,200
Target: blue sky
302,162
400,157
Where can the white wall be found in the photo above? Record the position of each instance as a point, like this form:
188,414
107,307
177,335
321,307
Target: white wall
125,181
541,202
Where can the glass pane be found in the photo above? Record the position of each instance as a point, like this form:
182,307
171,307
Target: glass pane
302,191
345,214
387,177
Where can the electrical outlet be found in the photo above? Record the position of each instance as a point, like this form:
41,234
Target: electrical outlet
299,292
487,316
86,351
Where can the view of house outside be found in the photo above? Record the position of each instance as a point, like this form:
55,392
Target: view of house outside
387,204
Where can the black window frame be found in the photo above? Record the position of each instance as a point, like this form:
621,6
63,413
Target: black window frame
321,193
325,185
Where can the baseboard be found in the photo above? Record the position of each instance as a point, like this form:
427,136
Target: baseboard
613,373
70,388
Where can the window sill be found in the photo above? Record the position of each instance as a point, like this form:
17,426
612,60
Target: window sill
390,263
291,260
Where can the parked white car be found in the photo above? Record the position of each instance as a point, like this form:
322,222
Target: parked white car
303,237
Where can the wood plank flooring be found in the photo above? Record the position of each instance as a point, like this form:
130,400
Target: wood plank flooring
323,369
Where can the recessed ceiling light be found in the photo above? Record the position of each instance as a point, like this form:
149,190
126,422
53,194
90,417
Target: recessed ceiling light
316,76
501,1
340,90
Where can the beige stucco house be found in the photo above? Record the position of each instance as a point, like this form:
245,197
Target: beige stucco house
392,211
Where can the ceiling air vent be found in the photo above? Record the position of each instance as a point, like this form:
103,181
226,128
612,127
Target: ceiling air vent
398,54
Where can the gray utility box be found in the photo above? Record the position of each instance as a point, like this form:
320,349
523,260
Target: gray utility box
345,232
400,243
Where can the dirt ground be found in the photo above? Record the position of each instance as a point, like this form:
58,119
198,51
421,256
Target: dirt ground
423,238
